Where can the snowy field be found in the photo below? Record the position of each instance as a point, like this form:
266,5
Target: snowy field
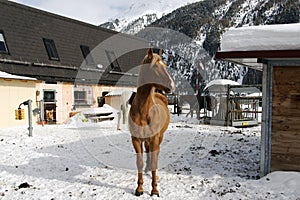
84,160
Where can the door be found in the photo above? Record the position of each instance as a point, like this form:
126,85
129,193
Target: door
50,106
285,150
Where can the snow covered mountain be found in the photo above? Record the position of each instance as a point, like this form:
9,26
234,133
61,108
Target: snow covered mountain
131,26
204,22
207,20
140,14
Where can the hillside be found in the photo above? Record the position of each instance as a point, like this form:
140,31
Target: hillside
206,21
213,17
141,14
203,23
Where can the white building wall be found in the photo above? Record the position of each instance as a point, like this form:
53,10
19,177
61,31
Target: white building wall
13,92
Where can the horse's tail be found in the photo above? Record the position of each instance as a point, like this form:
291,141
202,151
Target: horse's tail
130,100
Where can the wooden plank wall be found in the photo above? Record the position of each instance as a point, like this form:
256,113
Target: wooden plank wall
285,152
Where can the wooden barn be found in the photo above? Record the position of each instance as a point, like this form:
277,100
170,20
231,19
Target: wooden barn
274,49
74,62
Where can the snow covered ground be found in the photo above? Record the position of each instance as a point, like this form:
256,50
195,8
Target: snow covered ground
84,160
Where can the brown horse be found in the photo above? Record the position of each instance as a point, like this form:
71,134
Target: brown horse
149,115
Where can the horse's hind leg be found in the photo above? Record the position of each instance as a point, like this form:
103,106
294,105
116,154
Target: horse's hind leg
154,151
137,144
148,161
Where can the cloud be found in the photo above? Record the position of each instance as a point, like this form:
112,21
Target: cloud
91,11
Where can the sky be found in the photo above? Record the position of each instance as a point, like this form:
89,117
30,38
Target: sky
90,11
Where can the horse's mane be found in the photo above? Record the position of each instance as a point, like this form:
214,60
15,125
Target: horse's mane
153,59
162,97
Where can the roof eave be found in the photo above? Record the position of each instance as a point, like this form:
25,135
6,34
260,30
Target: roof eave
254,58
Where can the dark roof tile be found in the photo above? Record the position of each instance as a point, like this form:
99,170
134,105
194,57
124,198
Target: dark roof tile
25,28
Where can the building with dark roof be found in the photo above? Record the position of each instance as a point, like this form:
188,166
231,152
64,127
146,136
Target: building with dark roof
50,47
74,62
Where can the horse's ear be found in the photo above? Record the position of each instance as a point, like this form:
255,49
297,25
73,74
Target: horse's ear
150,53
160,52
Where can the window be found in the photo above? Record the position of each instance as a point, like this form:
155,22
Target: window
3,46
80,97
113,61
86,55
49,95
51,49
83,95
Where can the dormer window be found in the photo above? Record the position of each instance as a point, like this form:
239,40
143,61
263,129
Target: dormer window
113,61
85,50
51,49
3,45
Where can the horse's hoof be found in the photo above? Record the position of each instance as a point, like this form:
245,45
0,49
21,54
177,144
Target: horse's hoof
137,193
155,193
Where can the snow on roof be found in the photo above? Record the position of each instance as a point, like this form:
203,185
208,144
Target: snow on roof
117,93
267,37
254,91
100,110
11,76
220,82
114,93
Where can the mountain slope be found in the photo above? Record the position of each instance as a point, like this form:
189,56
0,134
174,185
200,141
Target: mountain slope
204,22
131,26
214,16
141,14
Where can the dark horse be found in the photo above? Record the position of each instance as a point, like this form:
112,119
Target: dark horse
198,102
149,115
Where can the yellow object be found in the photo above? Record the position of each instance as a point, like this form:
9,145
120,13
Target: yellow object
19,113
245,123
